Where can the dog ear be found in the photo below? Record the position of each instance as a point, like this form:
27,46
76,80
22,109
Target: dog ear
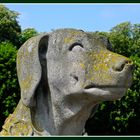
29,67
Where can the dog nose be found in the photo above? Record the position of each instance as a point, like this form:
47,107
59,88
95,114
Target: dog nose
120,65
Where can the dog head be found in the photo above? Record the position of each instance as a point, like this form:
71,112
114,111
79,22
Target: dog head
75,63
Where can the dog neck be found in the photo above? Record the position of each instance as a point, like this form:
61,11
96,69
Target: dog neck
56,118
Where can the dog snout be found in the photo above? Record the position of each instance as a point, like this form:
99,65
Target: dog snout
123,64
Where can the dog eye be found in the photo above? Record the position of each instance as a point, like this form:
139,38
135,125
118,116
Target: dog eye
76,46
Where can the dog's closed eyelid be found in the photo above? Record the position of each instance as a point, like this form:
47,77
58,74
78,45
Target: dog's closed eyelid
75,45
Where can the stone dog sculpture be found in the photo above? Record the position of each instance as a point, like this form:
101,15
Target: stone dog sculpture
63,75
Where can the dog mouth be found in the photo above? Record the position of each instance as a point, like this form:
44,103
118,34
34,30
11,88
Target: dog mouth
93,86
106,92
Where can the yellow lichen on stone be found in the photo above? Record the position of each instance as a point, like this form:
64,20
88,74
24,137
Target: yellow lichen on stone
99,65
71,36
92,78
26,83
68,40
21,128
15,127
4,133
82,65
75,33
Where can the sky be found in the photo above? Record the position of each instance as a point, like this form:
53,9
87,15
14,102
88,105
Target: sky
87,17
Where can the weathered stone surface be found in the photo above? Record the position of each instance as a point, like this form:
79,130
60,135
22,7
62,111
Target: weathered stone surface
63,76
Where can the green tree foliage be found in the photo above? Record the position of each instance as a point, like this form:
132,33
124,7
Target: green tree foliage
9,87
122,116
125,39
9,27
26,34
